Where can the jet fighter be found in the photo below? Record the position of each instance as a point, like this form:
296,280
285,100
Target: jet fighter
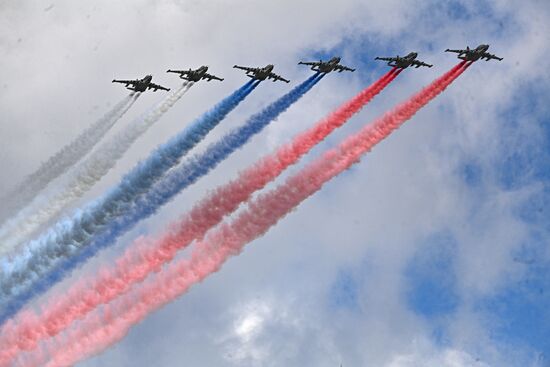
480,52
261,73
327,66
195,75
141,85
405,61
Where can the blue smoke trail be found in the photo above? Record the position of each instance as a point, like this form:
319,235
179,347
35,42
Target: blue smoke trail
70,236
165,189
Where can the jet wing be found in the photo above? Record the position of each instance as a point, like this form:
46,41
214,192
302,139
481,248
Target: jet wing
418,64
343,68
457,51
311,63
487,56
181,72
386,58
127,82
156,87
210,77
247,69
276,77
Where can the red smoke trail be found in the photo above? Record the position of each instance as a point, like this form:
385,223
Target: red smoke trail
109,324
145,258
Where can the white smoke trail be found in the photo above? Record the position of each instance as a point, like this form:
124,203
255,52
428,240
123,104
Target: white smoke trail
87,174
59,163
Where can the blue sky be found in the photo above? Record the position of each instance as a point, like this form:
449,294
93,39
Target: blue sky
433,251
519,311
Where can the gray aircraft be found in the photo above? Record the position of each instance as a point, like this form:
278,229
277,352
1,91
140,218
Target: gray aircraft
141,85
480,52
404,62
261,73
195,75
327,66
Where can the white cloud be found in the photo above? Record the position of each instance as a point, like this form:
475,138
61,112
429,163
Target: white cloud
436,358
268,306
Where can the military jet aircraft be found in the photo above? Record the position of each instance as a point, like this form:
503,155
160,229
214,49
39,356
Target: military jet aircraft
261,73
141,85
404,62
327,66
480,52
195,75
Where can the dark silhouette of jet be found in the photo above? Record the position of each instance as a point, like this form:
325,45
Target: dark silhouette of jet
404,62
141,85
327,66
195,75
261,73
480,52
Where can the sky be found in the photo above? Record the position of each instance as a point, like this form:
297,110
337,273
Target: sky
433,251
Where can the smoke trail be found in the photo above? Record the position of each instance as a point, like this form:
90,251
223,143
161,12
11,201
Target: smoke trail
117,223
143,258
68,156
90,171
189,172
27,273
109,324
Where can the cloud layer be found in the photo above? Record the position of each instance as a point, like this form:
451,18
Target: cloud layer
441,209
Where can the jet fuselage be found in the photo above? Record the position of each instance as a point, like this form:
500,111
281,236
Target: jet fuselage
142,84
328,66
261,74
405,61
196,75
475,54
